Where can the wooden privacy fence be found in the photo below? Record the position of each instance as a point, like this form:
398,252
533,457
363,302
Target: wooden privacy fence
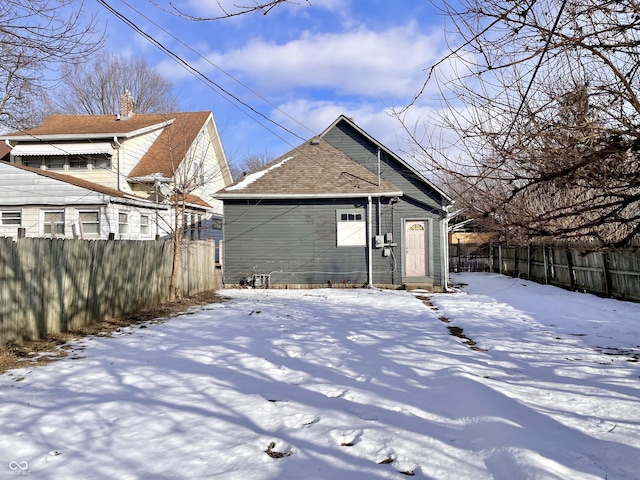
613,273
54,285
469,257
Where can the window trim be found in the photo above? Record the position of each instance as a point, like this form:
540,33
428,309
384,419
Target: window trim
81,223
123,227
3,220
53,233
146,225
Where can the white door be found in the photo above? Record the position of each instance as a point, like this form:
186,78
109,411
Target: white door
415,252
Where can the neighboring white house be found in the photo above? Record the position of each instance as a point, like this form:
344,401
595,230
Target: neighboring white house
46,204
114,176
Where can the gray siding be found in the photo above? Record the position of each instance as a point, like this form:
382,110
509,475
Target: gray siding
419,202
294,241
361,150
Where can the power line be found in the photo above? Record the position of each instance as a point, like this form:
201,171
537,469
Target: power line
224,93
261,97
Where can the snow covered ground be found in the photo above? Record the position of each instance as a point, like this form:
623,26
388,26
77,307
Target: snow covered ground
343,384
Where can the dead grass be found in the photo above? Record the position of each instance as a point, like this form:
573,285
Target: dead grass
54,347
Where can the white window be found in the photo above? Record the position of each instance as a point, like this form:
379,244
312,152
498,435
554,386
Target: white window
144,225
102,161
351,228
89,222
76,162
11,218
123,223
54,223
54,163
197,173
33,162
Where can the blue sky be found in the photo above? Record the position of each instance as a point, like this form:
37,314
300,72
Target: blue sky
299,67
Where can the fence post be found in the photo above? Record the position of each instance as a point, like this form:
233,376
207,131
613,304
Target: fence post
529,262
546,265
572,273
499,258
607,274
491,257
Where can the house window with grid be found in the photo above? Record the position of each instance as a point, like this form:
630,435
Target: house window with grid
197,173
89,222
144,225
351,228
54,223
13,218
33,161
123,223
76,162
55,162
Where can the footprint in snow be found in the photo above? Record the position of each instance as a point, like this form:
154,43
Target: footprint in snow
346,438
300,420
363,378
329,390
363,413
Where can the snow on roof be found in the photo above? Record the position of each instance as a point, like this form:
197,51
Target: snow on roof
252,177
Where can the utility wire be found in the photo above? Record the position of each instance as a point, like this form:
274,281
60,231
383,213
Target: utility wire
261,97
224,93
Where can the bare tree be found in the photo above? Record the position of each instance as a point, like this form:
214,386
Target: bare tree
250,164
95,87
544,102
227,9
195,170
36,35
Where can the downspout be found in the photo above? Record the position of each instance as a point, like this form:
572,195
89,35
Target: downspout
370,242
447,215
117,147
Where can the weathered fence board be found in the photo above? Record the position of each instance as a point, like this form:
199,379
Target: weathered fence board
613,273
53,285
465,257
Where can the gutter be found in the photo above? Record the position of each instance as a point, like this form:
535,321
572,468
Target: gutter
151,179
282,196
88,136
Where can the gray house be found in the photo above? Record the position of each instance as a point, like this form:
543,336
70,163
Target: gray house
339,210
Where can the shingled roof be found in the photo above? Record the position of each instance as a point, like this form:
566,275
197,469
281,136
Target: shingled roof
163,156
171,146
99,125
78,182
315,169
96,187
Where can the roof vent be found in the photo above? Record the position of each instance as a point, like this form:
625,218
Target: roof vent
314,141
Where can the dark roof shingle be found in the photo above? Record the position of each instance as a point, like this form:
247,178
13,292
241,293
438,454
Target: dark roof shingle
315,168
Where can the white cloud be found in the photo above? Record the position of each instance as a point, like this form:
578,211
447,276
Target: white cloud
317,115
375,119
362,62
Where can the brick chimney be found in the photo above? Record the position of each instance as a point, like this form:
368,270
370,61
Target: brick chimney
126,105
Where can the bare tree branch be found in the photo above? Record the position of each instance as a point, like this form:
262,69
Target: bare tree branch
226,12
95,87
545,122
35,36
